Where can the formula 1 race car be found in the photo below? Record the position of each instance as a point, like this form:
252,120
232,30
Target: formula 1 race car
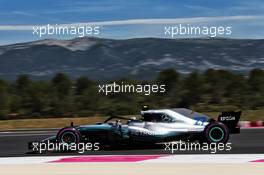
154,126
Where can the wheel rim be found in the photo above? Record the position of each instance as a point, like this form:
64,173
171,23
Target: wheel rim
216,134
68,137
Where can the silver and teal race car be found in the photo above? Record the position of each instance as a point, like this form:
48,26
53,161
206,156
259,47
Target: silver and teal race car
154,126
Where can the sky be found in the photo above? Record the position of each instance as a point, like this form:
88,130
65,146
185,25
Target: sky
129,18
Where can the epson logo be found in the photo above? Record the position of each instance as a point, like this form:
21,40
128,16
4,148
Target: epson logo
227,118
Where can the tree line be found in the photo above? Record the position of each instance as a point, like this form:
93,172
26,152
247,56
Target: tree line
212,90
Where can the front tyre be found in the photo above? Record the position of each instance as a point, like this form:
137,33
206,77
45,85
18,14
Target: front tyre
216,133
68,135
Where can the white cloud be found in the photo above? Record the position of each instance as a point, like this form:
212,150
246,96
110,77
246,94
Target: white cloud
145,22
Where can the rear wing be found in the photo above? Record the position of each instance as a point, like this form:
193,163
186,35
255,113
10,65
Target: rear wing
230,119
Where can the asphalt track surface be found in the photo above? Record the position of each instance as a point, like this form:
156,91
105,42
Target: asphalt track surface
14,144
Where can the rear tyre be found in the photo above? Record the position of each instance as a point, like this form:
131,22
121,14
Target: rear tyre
215,132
